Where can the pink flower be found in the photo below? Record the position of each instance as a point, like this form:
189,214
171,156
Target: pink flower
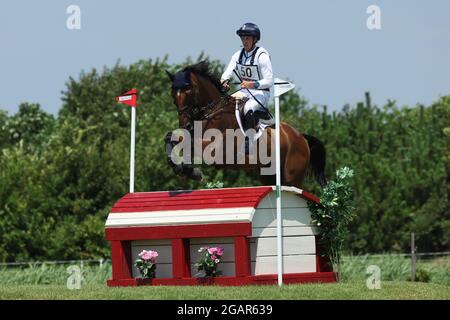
148,255
216,251
213,257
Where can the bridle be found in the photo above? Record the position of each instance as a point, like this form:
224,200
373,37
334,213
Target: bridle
200,113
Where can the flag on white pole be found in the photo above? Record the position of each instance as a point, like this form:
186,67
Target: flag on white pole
130,98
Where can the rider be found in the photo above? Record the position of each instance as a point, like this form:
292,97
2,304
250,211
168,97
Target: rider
253,67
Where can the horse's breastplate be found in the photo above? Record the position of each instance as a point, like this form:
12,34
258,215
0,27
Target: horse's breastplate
248,70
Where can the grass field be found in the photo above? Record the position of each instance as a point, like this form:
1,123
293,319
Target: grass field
49,282
350,290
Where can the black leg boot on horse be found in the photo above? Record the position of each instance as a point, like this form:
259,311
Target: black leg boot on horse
249,123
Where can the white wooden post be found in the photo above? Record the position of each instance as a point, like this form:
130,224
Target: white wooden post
280,87
133,138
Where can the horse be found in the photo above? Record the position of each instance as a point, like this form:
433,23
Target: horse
199,97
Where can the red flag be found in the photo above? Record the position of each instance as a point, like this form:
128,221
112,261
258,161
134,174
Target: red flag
129,98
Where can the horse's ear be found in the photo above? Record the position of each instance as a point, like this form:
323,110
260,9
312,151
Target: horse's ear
170,75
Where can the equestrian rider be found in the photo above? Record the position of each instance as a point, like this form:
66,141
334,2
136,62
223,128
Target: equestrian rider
253,67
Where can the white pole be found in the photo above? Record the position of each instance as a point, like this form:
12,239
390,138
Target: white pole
278,192
133,136
280,87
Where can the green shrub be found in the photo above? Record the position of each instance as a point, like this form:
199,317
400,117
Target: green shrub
333,215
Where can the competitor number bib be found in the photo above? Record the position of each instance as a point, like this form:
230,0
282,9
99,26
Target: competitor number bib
248,72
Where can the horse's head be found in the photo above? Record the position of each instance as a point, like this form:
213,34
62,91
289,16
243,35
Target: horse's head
193,88
183,94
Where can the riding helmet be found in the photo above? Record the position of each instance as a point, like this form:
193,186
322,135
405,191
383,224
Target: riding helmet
249,29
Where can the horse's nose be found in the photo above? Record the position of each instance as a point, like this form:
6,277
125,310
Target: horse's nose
188,126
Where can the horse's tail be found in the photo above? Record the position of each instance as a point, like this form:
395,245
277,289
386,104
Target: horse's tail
317,158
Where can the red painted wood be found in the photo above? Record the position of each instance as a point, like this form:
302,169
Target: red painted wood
242,256
196,199
178,232
193,193
183,207
180,258
292,278
121,259
250,200
129,282
158,196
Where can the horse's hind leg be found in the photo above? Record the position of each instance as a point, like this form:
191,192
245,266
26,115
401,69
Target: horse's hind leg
295,170
296,160
291,174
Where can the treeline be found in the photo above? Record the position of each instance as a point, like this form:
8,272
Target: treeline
59,176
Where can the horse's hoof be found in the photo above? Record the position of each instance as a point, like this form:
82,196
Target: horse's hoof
197,175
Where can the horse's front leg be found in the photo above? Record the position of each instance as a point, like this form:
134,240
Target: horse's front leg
168,143
185,169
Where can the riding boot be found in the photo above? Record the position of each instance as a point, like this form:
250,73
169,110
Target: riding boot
249,123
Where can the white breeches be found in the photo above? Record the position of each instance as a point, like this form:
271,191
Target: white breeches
262,96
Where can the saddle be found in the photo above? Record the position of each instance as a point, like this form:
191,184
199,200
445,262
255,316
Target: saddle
263,117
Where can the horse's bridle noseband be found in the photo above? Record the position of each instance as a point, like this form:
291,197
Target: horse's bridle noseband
192,112
189,115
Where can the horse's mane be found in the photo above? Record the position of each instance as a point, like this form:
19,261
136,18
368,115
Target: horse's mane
202,69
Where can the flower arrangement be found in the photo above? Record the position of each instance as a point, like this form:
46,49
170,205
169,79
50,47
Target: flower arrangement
147,263
209,260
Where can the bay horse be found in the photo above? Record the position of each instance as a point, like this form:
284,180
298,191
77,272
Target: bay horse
200,97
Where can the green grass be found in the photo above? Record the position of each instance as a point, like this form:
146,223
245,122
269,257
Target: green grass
397,268
49,282
349,290
52,274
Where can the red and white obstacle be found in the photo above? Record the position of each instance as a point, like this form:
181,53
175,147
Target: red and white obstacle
241,220
266,232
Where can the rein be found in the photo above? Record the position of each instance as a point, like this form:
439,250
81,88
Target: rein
210,110
206,112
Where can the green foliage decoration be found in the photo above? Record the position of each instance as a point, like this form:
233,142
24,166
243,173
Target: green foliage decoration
333,214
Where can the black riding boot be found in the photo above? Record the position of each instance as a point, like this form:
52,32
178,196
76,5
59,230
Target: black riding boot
249,123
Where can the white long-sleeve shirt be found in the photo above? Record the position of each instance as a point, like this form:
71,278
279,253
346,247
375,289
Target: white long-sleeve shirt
260,71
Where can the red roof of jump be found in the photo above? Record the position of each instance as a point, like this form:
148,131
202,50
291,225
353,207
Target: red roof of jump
191,199
194,199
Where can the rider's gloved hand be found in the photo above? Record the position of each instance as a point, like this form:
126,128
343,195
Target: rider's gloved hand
226,84
248,84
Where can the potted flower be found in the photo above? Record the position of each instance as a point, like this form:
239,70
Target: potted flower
147,263
209,260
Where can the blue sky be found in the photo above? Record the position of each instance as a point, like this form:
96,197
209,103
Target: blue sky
324,47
